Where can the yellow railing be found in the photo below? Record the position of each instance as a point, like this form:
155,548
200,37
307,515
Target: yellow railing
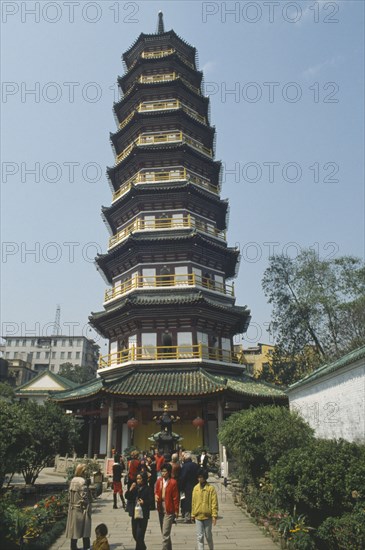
158,105
158,281
148,79
168,105
166,353
157,53
126,120
178,222
151,106
164,137
174,174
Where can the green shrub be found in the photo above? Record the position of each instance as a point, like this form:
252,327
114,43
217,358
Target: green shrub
257,438
344,533
321,479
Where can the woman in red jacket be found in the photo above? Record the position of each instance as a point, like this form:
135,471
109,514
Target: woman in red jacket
167,499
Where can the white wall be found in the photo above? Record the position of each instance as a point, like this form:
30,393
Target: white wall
334,405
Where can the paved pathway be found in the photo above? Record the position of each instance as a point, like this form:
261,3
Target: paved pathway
234,530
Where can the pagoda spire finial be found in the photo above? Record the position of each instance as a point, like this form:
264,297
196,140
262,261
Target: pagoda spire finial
160,25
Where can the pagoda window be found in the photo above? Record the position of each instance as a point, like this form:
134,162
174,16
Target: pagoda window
132,347
226,349
149,276
149,342
166,220
208,280
149,222
218,283
166,338
185,343
165,277
203,339
181,275
114,347
197,275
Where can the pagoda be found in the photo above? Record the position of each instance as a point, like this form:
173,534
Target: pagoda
169,312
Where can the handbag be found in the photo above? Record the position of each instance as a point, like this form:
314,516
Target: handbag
138,512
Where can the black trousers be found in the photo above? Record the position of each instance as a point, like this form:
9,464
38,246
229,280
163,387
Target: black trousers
139,527
85,541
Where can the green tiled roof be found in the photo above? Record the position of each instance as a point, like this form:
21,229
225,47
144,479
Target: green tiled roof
25,389
146,239
249,386
177,383
85,390
347,359
173,383
171,297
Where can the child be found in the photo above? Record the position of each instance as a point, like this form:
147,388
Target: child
101,542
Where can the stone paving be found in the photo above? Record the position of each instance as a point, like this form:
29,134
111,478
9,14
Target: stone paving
234,530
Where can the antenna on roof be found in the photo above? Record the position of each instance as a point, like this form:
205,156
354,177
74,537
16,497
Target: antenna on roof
160,25
57,322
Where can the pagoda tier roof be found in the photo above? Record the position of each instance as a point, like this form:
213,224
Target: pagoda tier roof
175,115
159,91
173,381
168,37
160,302
168,61
151,85
149,152
152,192
142,242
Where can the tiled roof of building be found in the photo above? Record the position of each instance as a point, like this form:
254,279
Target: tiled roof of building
26,389
171,297
79,392
168,383
329,368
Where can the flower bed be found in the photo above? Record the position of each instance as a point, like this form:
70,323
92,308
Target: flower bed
33,524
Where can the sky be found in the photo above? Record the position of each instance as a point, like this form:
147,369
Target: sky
286,88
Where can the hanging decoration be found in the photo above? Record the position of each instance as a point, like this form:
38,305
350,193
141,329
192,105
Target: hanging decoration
198,423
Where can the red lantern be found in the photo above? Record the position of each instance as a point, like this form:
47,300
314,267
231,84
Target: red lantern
198,422
132,423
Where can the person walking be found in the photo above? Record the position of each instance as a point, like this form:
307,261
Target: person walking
159,460
79,510
151,479
204,509
203,459
176,467
187,481
167,500
118,468
139,494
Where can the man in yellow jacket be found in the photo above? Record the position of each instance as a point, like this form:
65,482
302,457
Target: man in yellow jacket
204,509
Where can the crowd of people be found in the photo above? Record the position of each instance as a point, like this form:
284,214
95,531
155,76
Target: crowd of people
172,485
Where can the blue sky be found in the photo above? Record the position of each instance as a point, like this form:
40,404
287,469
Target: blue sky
290,134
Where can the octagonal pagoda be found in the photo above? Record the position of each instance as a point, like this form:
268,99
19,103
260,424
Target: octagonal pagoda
169,311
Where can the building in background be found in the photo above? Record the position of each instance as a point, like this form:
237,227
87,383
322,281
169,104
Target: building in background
39,388
49,352
255,358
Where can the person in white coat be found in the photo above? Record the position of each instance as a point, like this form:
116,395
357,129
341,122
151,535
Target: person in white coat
79,511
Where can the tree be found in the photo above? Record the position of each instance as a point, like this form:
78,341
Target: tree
48,431
258,437
318,310
12,438
6,391
76,373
